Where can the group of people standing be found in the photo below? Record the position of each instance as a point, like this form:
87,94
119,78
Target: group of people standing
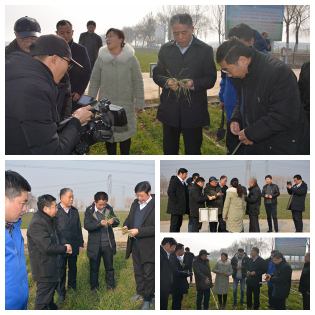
245,270
55,240
231,202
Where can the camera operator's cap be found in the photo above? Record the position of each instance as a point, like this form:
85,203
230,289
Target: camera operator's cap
213,179
51,45
27,27
203,252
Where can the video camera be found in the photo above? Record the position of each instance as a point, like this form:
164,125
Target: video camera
99,128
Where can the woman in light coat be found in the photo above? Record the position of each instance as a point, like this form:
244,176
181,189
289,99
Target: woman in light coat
223,270
117,76
234,205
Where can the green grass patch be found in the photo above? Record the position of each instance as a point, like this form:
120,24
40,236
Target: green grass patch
282,213
293,302
81,299
149,137
121,215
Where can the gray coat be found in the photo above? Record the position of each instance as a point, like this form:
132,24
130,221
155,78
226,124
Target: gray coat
119,80
234,211
221,284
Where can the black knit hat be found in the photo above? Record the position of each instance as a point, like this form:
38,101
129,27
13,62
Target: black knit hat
51,45
27,27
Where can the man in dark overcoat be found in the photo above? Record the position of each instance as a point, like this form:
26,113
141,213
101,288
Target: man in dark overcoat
188,58
140,223
69,226
253,202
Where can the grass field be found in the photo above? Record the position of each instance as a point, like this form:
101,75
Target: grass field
103,300
293,302
149,137
145,58
121,215
282,213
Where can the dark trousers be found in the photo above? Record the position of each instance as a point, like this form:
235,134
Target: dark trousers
249,293
196,224
222,301
190,224
271,210
306,301
253,223
144,275
111,147
164,292
271,298
279,304
176,223
177,301
232,141
107,254
205,294
189,269
72,275
192,140
297,219
214,227
44,299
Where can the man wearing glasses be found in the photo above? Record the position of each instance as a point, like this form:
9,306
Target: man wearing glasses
269,113
31,99
140,224
45,250
26,30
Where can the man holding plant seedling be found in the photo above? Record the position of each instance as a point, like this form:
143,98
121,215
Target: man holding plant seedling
99,221
139,225
185,71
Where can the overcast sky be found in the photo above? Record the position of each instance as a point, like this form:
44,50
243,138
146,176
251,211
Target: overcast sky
106,15
237,169
85,177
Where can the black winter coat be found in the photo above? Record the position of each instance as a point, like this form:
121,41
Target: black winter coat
180,284
305,279
12,47
244,269
97,40
259,266
299,195
215,203
70,229
202,271
196,200
79,77
93,225
274,193
188,258
43,248
178,198
224,189
31,110
197,64
253,201
146,232
282,278
166,275
305,86
277,121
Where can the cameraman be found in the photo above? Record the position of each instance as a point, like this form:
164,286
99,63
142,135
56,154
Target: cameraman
31,100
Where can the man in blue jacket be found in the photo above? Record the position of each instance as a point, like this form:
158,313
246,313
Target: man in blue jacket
228,92
16,283
79,77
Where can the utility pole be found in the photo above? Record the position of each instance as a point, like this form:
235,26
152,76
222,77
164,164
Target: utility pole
248,173
266,167
109,185
123,197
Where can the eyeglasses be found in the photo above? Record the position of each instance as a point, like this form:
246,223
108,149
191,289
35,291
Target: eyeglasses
28,39
110,37
227,71
70,65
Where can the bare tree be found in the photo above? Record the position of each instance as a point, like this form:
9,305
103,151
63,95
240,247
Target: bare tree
218,21
127,202
129,34
301,22
288,18
31,201
163,184
82,205
76,203
112,201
